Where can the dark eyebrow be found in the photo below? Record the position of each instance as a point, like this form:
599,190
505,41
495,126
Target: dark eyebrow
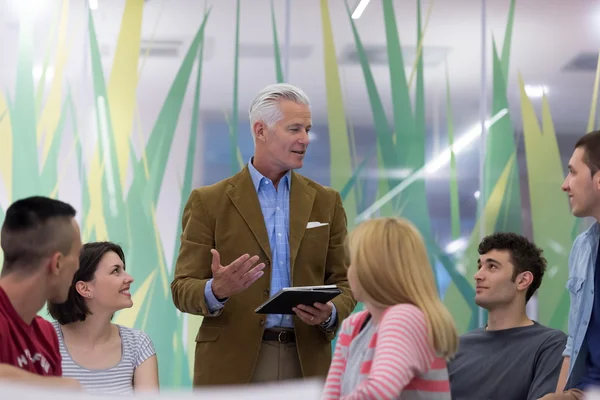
492,261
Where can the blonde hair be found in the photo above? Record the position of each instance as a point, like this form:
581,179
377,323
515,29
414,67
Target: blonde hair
390,260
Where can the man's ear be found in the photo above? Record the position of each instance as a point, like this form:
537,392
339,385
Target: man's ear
259,130
54,264
524,280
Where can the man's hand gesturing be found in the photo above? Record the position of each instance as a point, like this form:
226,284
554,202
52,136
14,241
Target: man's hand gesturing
235,277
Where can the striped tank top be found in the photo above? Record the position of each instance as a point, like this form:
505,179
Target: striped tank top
136,347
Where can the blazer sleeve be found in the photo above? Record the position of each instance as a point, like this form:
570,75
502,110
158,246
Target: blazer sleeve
336,268
193,265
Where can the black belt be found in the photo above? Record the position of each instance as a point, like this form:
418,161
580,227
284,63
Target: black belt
279,336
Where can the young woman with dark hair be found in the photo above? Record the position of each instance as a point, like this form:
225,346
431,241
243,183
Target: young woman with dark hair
104,357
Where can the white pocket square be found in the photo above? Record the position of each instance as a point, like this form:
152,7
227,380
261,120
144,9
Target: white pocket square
315,224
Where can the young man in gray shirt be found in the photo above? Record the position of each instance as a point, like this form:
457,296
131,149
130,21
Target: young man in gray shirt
512,357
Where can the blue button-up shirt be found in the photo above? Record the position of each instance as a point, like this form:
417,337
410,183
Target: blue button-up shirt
582,262
275,207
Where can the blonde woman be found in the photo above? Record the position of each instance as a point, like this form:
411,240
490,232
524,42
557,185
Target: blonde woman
396,348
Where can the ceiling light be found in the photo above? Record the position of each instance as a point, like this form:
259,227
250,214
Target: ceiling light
432,166
360,8
536,91
93,4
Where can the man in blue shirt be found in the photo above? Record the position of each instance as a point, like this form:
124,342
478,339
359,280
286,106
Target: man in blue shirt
247,237
581,364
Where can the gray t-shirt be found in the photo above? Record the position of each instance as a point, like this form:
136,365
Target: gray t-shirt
136,347
517,364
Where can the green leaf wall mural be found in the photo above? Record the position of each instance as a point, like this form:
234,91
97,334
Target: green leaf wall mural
500,193
276,49
545,175
341,156
120,190
454,199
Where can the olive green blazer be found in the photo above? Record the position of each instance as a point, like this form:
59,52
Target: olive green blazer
227,216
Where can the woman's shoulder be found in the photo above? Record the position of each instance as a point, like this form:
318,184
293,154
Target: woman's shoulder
137,345
134,334
57,329
405,314
355,318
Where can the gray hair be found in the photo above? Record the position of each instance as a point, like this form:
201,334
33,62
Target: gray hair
265,106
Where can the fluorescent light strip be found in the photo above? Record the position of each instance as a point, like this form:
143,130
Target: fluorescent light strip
432,166
360,8
93,4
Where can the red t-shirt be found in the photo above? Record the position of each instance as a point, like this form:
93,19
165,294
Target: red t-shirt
33,348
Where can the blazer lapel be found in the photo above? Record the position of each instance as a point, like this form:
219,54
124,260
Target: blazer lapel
244,197
302,197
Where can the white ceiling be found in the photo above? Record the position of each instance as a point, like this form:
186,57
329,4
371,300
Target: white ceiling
547,35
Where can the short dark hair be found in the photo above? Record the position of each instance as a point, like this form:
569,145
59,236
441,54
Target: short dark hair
33,229
590,143
524,255
75,309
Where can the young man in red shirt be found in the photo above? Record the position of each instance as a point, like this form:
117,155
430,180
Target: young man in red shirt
41,242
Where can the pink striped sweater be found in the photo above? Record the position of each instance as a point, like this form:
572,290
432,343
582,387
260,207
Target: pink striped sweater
399,362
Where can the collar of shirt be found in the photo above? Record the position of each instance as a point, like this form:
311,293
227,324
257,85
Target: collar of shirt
593,231
257,177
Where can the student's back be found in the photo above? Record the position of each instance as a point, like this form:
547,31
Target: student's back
397,347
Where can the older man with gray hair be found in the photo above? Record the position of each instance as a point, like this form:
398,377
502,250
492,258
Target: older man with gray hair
248,236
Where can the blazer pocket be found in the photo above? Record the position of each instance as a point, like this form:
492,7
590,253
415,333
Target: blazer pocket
208,334
318,232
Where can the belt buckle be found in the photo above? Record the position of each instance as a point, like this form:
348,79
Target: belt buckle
282,337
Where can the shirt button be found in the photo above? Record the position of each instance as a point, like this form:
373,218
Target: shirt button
278,208
585,322
262,322
279,234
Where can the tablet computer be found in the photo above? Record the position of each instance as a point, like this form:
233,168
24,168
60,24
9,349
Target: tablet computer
287,298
